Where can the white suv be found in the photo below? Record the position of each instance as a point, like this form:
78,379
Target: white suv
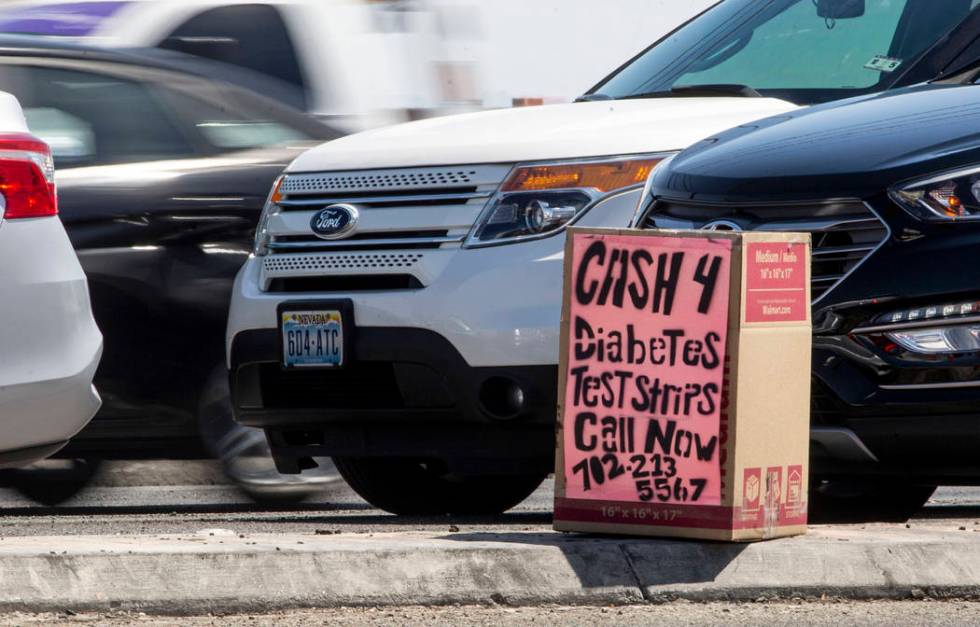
400,312
49,343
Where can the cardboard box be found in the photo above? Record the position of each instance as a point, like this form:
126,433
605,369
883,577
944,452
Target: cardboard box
684,384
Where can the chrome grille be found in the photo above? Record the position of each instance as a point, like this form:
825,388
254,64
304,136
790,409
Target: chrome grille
413,208
379,179
301,265
374,199
844,233
400,240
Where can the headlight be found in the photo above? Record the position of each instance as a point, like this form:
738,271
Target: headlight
271,208
939,340
950,196
947,328
540,200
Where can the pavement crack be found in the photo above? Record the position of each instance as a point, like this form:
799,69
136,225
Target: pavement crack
623,548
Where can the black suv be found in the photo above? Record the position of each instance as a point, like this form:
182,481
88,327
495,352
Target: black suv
889,187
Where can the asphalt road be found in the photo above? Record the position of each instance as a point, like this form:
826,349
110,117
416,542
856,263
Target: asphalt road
188,497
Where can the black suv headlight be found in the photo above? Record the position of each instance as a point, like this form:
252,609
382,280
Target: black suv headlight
946,329
948,196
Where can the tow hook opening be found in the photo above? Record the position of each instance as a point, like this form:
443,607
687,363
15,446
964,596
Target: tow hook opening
502,398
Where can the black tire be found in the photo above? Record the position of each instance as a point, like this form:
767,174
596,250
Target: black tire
218,429
843,500
416,488
53,482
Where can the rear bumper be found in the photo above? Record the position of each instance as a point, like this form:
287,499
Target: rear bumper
51,344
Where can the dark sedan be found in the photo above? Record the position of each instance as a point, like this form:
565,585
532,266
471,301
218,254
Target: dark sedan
163,169
889,187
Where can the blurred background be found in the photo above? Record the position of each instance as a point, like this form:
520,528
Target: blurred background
169,121
364,62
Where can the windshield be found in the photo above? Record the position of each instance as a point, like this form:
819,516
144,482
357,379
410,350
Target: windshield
805,51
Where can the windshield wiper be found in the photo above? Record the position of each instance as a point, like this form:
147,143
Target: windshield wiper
701,91
593,98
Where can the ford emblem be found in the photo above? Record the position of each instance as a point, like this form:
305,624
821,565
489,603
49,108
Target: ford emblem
334,222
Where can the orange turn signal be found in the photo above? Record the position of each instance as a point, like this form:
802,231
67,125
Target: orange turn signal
276,194
955,206
603,176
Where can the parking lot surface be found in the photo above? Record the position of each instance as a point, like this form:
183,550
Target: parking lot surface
175,539
165,497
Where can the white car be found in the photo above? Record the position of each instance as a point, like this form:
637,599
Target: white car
49,343
401,309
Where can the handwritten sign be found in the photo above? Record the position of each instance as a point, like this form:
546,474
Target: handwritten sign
648,320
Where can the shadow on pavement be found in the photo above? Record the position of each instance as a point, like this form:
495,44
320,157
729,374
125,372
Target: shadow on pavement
948,511
645,561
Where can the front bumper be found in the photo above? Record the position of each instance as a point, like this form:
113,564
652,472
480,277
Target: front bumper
428,364
410,394
405,393
51,344
927,430
917,414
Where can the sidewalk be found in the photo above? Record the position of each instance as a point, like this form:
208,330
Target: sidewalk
221,571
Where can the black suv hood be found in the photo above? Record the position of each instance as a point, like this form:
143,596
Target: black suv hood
853,148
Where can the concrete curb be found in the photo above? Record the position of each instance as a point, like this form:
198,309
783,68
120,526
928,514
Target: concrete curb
219,571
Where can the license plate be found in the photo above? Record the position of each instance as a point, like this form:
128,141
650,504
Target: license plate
312,338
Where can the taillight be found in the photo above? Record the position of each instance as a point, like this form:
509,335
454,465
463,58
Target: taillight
26,177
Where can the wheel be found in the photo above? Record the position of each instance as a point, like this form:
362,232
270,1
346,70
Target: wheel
244,452
412,487
52,482
847,500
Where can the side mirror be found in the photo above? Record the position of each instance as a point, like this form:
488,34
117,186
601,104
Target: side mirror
840,9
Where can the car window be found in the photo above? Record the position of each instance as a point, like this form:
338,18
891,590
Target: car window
90,118
253,36
227,118
794,49
70,137
234,134
231,127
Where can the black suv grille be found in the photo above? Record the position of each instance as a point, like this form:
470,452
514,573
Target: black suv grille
844,233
